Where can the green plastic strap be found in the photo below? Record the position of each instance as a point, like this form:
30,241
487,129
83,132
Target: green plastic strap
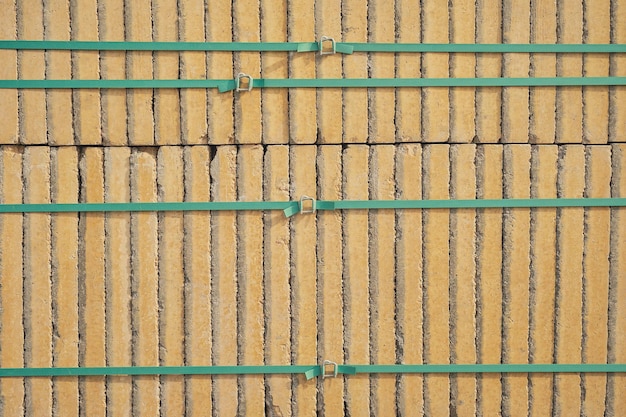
228,85
341,47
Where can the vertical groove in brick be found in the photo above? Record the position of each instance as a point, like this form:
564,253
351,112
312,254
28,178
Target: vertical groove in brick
354,29
303,277
435,183
113,66
302,102
409,278
65,189
8,70
571,183
171,279
569,103
515,100
86,65
617,66
382,278
435,101
488,99
596,277
58,66
277,280
224,279
246,21
145,281
329,100
197,269
11,296
329,264
91,281
250,278
408,100
356,271
31,64
542,99
542,279
462,100
489,276
166,66
118,279
275,103
463,277
36,280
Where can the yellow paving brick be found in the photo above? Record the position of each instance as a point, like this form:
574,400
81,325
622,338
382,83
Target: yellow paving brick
59,66
617,124
382,107
224,281
304,276
596,276
118,279
302,102
65,188
543,99
92,280
569,279
356,285
330,309
329,100
274,65
8,71
11,297
436,103
31,65
596,98
166,66
409,277
247,104
462,100
382,278
515,112
516,279
542,287
220,66
488,99
277,288
193,66
436,169
250,277
197,257
113,66
408,100
489,259
138,27
36,280
171,279
144,285
87,67
569,102
354,29
463,275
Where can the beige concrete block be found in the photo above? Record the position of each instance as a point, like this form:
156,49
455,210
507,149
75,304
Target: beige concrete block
355,272
617,95
250,278
8,71
354,29
277,277
408,100
170,174
11,264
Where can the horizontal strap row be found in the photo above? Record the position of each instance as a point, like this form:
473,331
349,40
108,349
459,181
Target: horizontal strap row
340,47
327,369
229,85
310,205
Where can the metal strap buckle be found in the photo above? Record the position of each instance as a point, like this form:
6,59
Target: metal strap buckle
243,82
305,206
327,46
329,369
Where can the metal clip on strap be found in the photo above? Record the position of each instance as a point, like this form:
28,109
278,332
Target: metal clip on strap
304,206
243,82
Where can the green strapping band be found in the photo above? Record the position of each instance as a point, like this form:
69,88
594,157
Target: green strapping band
340,47
311,371
291,208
